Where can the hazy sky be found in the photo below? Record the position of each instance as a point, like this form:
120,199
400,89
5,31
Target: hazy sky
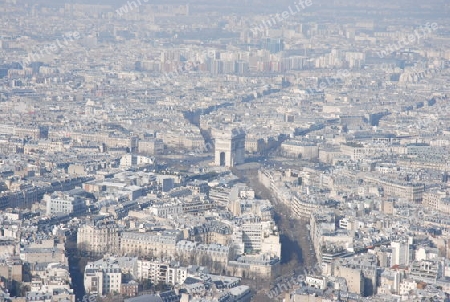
404,3
402,7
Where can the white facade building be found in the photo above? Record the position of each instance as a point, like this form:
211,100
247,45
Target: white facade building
161,272
102,277
64,204
400,253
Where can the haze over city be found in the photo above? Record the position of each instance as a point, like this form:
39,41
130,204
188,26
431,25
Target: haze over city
228,151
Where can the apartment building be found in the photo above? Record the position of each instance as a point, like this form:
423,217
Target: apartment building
150,244
216,252
150,146
64,204
438,200
11,271
254,266
102,277
165,209
411,191
426,270
99,237
354,278
261,237
321,224
301,149
210,232
161,272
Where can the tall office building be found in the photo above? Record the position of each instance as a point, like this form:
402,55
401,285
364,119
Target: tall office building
400,253
229,147
273,45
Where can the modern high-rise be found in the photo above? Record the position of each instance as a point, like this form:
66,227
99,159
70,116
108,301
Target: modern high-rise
229,147
400,253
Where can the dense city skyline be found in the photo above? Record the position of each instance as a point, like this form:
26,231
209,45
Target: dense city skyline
224,150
